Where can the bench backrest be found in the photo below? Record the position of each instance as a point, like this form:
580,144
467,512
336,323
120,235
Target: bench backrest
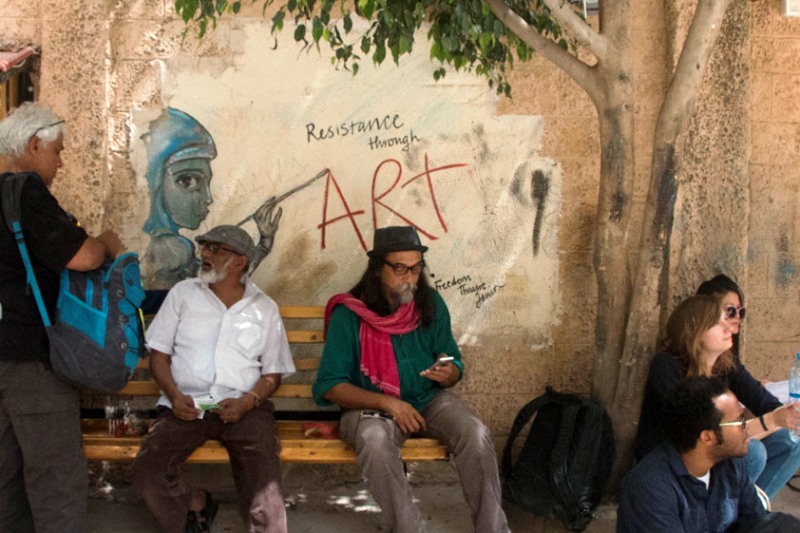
304,331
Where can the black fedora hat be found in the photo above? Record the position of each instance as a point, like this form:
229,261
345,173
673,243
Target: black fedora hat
396,239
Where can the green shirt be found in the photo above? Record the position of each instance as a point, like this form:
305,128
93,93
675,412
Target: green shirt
414,351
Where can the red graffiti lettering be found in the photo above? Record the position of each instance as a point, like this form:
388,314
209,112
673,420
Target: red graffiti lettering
394,170
347,214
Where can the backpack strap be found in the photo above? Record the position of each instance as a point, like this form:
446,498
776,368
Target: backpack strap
558,460
12,193
523,417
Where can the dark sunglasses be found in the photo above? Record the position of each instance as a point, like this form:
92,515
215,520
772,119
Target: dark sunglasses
216,247
401,270
732,312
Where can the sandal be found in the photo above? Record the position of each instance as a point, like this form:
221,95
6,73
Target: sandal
200,521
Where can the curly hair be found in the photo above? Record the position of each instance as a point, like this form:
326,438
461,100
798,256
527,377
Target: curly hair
689,410
27,120
686,326
369,290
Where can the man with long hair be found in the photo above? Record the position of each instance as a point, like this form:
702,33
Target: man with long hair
388,361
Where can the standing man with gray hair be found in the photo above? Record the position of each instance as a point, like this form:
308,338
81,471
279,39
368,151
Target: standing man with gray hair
218,352
43,479
389,360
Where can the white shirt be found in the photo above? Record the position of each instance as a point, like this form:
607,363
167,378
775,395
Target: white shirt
219,352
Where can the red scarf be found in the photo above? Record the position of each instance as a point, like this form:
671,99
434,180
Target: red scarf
377,354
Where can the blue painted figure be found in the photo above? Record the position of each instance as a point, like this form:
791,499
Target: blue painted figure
179,154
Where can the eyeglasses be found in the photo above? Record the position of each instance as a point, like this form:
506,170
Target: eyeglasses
216,247
732,312
56,123
741,422
401,270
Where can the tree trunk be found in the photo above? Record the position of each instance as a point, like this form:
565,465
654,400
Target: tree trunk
650,277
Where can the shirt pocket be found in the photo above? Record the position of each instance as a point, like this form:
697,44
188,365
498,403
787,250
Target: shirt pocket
249,337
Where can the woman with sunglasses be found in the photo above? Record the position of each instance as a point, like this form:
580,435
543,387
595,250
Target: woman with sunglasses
698,343
730,296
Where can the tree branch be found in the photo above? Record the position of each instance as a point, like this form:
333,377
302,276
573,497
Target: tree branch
682,93
569,20
578,70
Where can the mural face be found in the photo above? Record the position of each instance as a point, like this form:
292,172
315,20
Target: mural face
187,192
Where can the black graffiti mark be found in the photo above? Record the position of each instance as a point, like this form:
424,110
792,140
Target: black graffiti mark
452,283
540,187
405,141
485,295
354,127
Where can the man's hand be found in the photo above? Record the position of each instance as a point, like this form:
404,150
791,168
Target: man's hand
183,407
786,417
405,416
112,243
446,374
233,409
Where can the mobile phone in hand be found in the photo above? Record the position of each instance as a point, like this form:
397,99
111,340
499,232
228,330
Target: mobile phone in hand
441,361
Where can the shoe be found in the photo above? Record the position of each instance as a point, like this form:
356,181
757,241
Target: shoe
200,521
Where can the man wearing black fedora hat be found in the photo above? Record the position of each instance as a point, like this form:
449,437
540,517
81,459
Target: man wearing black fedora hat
388,361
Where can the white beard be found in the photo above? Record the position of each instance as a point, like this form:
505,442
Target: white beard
213,276
404,293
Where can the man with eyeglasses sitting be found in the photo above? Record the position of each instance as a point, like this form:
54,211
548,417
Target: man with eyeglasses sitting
388,362
697,481
218,352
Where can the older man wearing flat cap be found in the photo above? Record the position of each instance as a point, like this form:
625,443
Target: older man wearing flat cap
388,361
218,352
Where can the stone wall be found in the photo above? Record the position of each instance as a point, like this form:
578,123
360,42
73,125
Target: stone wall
104,65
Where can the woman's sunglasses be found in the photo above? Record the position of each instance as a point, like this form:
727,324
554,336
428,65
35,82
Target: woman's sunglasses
732,312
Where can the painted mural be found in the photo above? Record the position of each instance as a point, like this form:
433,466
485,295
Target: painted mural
327,157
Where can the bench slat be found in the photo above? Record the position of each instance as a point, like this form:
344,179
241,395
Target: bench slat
149,388
295,448
302,311
301,363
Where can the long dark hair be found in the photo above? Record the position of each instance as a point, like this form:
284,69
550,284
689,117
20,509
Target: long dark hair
369,290
719,286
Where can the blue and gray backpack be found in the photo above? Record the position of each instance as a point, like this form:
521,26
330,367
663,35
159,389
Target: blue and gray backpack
97,338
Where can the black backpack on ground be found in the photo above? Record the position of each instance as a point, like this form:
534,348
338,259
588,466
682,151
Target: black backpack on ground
566,461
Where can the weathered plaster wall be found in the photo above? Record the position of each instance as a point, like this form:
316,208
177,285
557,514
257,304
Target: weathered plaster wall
772,333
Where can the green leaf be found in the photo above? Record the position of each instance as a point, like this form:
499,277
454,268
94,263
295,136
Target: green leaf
380,54
300,32
404,44
437,52
236,7
316,30
348,23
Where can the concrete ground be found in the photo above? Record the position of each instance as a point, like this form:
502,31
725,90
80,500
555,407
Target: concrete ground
332,499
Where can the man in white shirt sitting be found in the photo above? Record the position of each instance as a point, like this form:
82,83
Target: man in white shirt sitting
218,352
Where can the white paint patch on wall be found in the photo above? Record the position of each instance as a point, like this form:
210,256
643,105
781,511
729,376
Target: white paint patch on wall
436,156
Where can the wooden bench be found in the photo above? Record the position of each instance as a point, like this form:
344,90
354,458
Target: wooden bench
293,399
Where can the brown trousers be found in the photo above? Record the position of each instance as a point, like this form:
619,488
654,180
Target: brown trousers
254,450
